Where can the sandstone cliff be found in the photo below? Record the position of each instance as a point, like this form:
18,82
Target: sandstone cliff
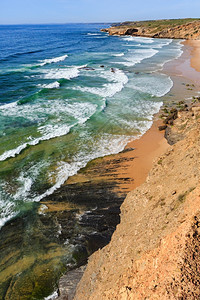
175,29
154,252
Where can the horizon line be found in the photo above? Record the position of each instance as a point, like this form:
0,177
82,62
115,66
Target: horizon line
102,22
58,23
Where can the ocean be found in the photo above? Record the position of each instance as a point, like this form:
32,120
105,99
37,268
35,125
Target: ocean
70,94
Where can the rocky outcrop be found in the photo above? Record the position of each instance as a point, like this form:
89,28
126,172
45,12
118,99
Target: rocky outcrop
154,252
190,30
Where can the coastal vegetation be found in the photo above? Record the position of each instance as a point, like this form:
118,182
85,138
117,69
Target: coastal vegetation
188,28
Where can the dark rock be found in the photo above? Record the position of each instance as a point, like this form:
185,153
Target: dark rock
172,138
173,110
102,66
162,127
172,116
127,150
87,68
69,282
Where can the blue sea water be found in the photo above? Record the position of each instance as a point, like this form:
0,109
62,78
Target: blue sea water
69,94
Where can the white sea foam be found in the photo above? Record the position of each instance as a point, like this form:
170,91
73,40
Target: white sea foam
50,133
80,111
66,73
136,56
52,296
117,81
154,85
92,33
53,85
40,111
139,39
162,43
53,60
179,50
6,206
9,216
23,191
118,54
8,106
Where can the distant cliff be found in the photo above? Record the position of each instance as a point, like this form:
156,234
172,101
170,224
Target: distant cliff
174,29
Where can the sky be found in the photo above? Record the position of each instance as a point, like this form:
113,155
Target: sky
90,11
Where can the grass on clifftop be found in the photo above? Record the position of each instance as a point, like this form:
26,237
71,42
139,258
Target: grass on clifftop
157,23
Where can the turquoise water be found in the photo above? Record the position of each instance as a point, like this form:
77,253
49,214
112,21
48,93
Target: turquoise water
69,94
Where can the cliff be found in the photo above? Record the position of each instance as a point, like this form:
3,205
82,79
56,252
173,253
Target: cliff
154,252
174,29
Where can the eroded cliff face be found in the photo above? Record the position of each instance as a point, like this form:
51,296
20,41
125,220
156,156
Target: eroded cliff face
187,31
154,252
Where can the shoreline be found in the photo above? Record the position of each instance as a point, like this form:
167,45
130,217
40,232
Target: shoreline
84,211
152,144
120,260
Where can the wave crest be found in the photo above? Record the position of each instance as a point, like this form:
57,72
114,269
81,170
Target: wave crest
53,60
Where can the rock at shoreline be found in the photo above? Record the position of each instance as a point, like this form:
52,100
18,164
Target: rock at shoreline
162,127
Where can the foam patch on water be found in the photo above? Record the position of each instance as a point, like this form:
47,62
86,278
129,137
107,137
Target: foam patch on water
48,131
53,60
8,106
137,56
53,85
10,205
118,54
40,111
162,44
179,50
66,73
143,40
117,81
53,296
92,33
80,111
7,207
151,84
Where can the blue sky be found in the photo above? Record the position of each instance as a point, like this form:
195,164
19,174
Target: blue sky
65,11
